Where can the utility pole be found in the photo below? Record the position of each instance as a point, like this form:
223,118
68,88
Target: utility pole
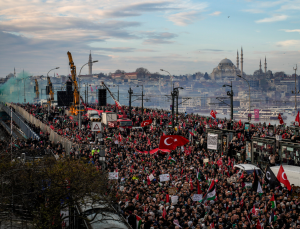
11,132
173,94
130,94
177,105
143,101
24,87
87,94
295,89
231,102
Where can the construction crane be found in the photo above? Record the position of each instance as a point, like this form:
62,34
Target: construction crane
74,108
51,92
37,93
116,101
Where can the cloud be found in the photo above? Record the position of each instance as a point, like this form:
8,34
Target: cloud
184,18
116,49
288,43
254,11
212,50
138,8
216,13
156,41
292,30
159,38
273,19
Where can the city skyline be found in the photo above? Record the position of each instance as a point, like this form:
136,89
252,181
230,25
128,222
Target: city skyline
182,37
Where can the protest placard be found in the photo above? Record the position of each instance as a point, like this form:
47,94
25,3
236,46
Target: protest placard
164,177
197,197
172,191
113,176
174,200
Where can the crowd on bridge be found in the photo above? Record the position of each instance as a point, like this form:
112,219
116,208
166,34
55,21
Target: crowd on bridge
145,200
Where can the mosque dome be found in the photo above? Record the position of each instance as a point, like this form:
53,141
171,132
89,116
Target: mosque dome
226,61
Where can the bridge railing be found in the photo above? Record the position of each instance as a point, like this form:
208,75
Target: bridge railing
7,128
23,126
53,137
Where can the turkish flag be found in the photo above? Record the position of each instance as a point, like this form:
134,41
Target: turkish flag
212,113
240,122
146,123
297,118
282,178
71,117
172,141
280,119
220,162
51,127
164,214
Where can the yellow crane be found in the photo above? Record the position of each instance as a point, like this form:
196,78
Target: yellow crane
74,108
51,92
37,93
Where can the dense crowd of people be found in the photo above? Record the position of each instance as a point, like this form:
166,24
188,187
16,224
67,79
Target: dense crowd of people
145,199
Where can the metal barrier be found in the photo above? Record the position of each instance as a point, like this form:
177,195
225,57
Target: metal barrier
23,126
53,137
7,128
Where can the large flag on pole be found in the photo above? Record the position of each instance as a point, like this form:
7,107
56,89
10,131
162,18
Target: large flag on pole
271,178
211,193
256,185
172,141
282,178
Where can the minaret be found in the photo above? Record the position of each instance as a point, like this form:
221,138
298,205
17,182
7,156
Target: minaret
260,66
90,64
265,65
14,72
242,61
237,60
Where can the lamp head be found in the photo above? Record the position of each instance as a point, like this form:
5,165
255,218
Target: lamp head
95,61
181,88
224,85
57,68
239,76
161,69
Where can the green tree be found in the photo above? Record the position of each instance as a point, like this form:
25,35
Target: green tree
46,187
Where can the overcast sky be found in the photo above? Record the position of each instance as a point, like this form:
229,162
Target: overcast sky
180,36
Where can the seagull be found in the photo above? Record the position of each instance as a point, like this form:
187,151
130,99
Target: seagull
228,16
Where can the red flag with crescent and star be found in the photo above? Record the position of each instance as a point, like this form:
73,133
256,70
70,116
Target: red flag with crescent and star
212,113
282,178
172,141
146,123
280,119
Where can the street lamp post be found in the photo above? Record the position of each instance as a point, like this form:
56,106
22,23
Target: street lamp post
79,79
174,95
48,89
142,98
171,77
249,95
231,99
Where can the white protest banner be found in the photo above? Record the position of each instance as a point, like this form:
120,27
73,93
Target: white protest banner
248,185
164,177
174,200
151,177
212,141
113,176
220,126
197,197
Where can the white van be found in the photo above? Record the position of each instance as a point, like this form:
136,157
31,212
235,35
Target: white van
92,114
249,168
292,172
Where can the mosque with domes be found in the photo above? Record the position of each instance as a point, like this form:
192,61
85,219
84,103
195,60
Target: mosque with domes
226,70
